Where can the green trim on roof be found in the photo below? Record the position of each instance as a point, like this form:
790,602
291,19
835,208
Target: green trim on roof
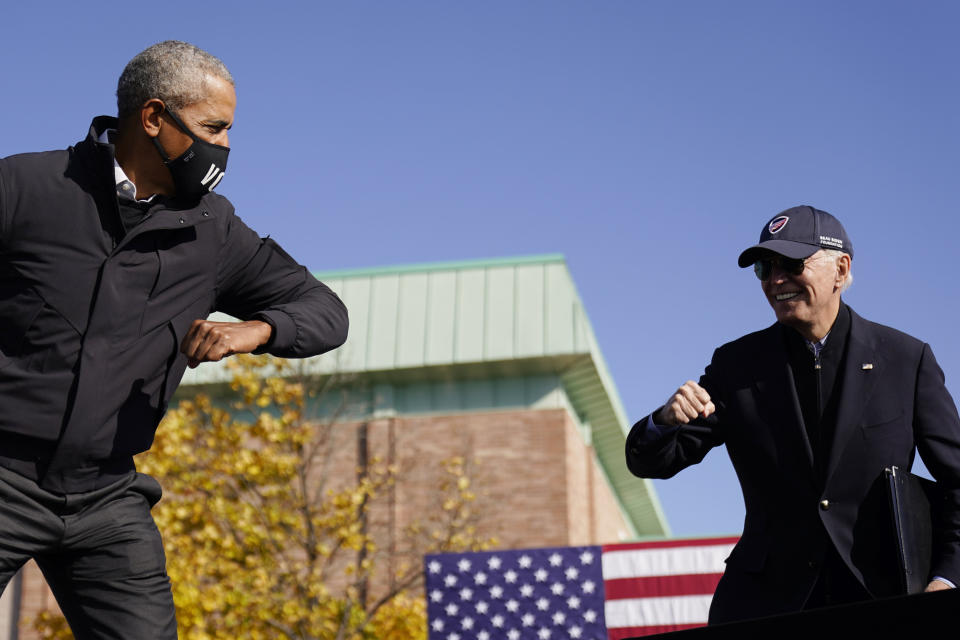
455,265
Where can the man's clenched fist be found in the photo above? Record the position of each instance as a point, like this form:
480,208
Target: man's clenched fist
688,403
209,341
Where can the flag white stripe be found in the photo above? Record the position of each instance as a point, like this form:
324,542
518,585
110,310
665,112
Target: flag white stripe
664,561
643,612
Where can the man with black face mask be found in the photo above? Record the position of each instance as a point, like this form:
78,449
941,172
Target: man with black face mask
198,169
112,255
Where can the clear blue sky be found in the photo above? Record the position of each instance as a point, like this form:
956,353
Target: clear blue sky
646,141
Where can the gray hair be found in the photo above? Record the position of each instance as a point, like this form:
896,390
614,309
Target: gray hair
172,71
835,255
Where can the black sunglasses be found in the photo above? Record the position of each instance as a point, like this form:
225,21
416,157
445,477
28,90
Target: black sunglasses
764,267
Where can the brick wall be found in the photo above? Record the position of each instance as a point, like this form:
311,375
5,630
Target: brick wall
538,481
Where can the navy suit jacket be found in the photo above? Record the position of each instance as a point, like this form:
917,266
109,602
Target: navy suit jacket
893,403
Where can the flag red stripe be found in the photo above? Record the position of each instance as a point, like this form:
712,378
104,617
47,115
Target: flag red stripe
661,544
620,633
661,586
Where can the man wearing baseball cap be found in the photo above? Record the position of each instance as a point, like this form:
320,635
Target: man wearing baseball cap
812,410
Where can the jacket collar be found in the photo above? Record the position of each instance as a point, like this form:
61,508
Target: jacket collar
99,125
96,156
781,405
862,369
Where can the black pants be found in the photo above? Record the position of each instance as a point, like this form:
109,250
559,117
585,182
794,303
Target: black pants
100,552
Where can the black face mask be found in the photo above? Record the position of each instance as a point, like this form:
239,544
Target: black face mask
198,169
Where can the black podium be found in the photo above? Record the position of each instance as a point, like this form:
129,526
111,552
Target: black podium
904,618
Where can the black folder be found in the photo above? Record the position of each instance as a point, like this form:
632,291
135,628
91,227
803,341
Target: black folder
909,498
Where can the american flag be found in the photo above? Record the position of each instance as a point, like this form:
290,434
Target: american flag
607,592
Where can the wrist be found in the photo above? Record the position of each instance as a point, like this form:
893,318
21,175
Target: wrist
264,332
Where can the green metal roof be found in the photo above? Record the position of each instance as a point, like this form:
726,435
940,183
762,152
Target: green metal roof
502,317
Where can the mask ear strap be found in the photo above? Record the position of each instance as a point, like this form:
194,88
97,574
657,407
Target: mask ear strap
163,154
156,141
179,123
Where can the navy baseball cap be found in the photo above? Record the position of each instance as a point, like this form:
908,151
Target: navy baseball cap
797,233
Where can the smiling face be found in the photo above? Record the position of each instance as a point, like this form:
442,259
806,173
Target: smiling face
808,301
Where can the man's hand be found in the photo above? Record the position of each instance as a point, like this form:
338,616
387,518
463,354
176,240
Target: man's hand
689,402
937,585
209,341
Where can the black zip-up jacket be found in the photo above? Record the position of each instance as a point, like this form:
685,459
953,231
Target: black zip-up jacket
91,318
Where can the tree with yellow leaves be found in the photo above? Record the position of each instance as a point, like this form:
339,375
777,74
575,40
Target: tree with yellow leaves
265,541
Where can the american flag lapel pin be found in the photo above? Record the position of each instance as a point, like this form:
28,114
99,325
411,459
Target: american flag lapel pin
866,366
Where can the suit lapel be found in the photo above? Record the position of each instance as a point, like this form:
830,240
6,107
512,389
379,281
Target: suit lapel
862,368
777,398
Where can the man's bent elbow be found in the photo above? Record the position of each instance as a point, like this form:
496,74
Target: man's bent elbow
341,330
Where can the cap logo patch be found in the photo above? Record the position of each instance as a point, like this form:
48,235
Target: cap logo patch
777,224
